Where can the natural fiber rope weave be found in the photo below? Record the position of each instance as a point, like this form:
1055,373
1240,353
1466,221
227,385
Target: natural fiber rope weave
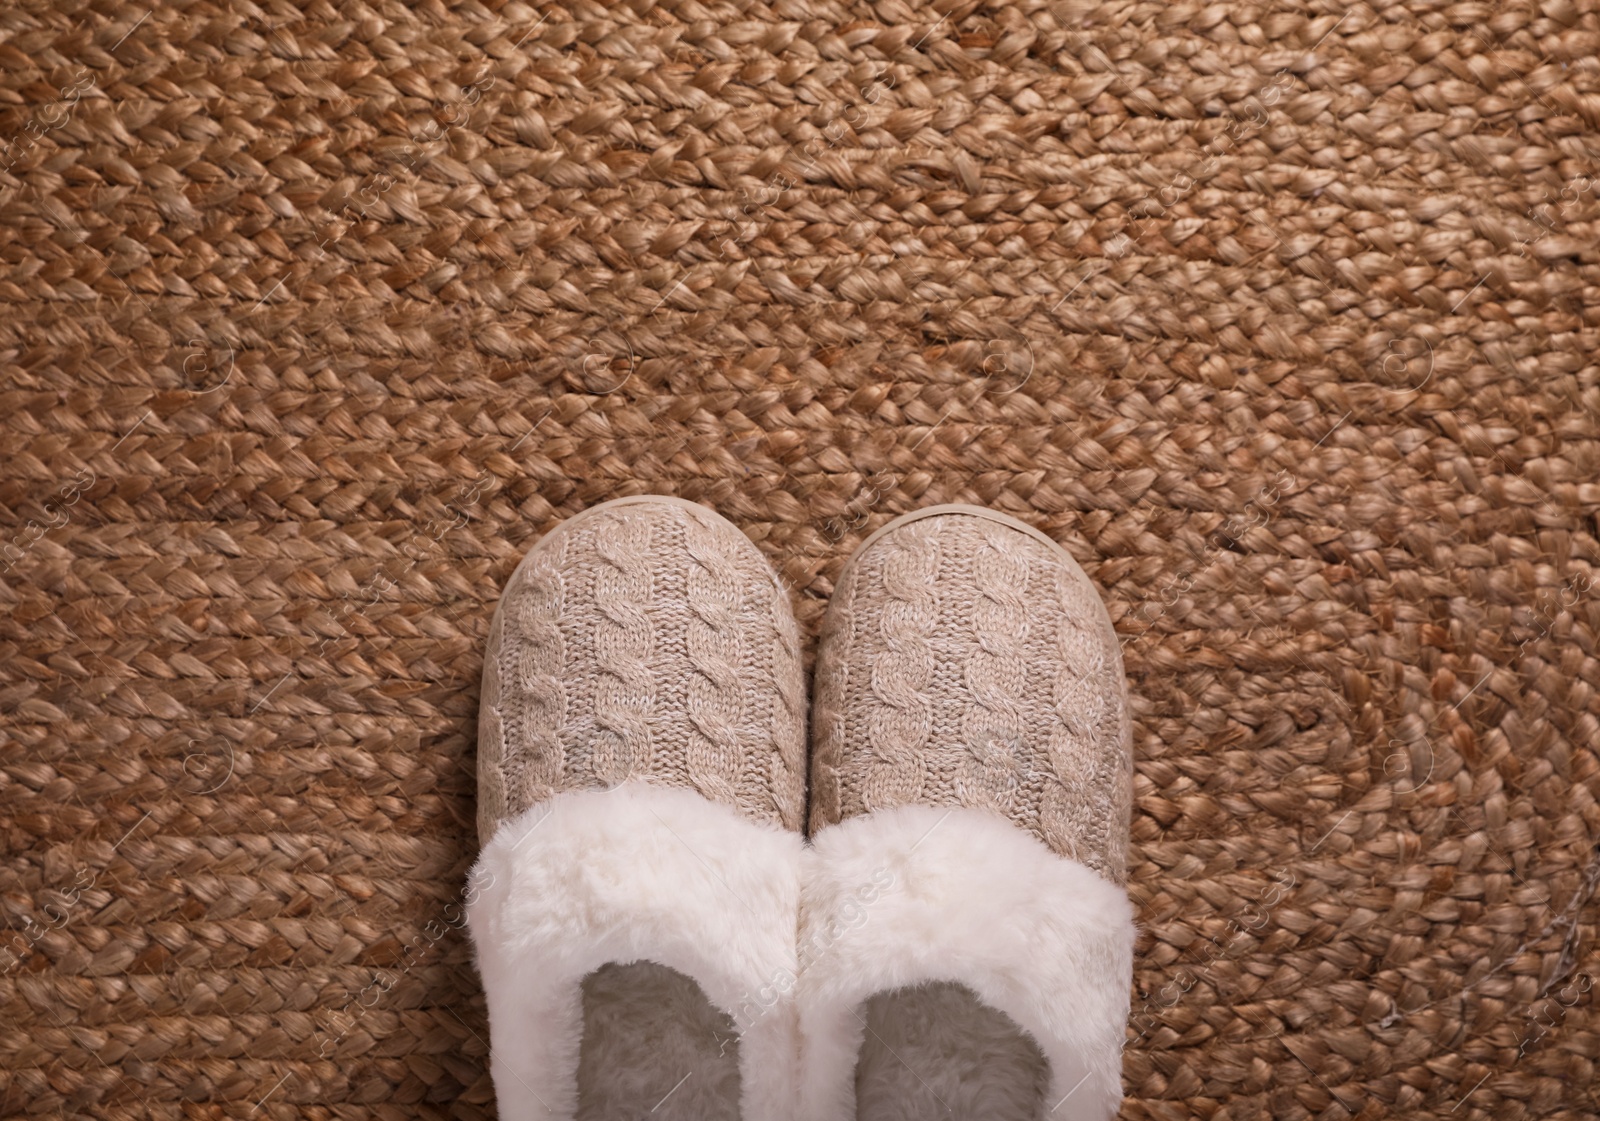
1283,320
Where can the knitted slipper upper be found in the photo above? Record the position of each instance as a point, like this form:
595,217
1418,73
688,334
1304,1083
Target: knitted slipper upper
968,661
644,638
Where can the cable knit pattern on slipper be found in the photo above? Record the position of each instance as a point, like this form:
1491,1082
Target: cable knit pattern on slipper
902,717
996,766
714,643
964,662
974,782
645,638
624,640
784,783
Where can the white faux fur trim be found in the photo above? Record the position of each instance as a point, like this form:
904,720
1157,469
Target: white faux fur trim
913,894
636,873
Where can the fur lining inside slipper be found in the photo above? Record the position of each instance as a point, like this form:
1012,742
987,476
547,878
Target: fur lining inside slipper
915,898
638,874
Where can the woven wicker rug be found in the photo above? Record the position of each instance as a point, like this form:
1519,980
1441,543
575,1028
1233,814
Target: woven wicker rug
1282,320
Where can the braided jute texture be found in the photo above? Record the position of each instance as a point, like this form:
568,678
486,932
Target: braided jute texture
1282,319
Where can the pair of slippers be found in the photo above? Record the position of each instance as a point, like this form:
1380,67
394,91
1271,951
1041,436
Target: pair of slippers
658,941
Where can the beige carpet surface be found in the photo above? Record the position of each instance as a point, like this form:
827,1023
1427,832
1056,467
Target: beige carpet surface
1282,319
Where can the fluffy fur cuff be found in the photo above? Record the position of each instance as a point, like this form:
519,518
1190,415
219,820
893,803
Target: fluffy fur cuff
914,894
636,873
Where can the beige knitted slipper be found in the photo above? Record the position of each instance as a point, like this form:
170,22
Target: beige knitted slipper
966,943
641,745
